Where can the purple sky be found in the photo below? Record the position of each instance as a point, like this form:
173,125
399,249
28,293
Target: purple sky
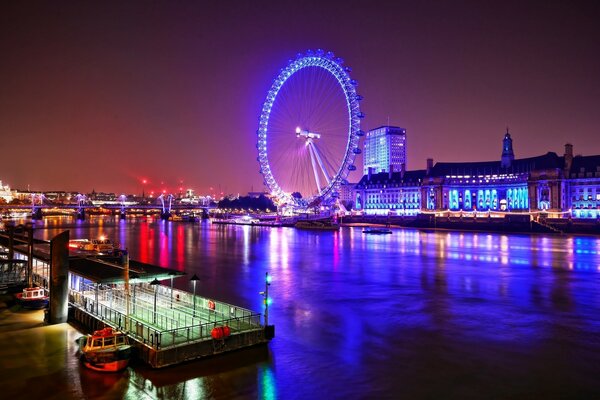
100,95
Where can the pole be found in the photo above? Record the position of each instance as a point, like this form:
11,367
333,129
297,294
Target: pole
194,279
11,242
171,291
96,303
29,229
266,299
127,297
194,313
155,293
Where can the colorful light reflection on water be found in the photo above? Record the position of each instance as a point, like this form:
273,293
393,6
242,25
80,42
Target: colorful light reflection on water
413,314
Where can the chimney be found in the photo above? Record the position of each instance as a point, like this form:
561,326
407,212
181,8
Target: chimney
402,170
429,165
391,172
568,157
370,172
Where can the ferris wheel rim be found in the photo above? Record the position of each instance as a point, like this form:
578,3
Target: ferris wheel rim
334,67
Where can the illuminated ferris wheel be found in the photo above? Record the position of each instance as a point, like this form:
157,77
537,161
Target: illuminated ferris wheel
309,130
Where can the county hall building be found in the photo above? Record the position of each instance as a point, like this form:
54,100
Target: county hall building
558,186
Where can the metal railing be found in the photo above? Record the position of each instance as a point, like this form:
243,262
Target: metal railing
167,326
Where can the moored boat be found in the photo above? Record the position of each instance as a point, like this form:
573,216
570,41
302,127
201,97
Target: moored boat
33,298
100,245
106,350
317,225
377,231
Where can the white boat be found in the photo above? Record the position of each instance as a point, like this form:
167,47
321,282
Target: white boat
101,245
33,298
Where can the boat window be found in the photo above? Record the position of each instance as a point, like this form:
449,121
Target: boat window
109,341
97,342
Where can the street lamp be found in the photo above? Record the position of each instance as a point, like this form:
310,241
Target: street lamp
171,275
155,283
194,279
265,294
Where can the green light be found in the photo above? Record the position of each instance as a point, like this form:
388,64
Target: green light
268,279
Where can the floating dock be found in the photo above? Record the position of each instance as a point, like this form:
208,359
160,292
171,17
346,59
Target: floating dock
167,326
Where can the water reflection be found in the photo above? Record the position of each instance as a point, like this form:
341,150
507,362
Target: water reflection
373,316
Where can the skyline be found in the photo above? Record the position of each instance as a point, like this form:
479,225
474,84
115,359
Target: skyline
124,82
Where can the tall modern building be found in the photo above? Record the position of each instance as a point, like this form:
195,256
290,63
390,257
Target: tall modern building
385,149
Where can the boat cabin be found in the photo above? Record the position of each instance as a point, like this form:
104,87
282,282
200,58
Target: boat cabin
104,339
33,293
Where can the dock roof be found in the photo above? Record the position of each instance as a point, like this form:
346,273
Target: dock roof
105,270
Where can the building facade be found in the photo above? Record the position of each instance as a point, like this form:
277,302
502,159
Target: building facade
560,186
5,193
384,149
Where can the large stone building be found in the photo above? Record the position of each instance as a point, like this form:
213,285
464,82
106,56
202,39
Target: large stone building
560,186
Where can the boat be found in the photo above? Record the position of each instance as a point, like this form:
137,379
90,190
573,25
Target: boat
101,245
33,298
317,225
377,231
106,350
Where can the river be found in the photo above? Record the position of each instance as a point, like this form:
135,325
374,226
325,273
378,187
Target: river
414,314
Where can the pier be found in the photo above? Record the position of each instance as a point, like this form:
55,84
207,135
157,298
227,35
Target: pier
167,326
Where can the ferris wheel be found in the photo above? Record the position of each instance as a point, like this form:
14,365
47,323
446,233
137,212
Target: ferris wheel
309,130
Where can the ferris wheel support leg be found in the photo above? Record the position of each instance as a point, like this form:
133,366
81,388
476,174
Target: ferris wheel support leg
320,161
314,165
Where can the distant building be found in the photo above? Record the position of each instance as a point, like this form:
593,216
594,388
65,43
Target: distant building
560,186
390,193
384,149
6,193
347,192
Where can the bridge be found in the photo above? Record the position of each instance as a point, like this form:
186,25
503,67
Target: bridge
37,211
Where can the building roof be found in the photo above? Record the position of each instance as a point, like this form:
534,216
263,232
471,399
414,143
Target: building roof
588,163
408,178
104,271
387,127
547,161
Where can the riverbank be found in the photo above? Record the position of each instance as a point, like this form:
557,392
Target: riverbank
34,357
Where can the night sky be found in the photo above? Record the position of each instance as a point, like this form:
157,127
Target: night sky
100,95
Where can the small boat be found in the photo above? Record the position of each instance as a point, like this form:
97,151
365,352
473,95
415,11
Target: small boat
101,245
106,350
33,298
318,225
377,231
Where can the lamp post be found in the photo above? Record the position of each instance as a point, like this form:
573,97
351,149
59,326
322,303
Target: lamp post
265,294
194,279
155,283
171,275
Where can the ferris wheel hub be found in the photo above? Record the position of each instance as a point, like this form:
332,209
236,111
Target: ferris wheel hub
307,133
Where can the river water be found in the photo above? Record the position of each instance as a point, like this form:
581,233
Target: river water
414,314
